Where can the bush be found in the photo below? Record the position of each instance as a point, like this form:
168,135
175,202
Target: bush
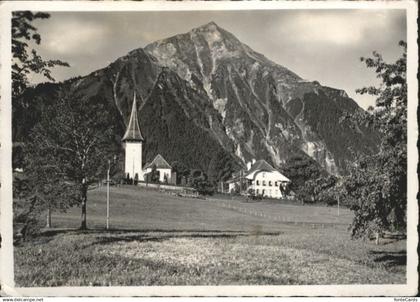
203,186
251,194
29,217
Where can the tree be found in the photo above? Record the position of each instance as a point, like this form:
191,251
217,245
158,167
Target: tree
41,188
75,137
154,175
284,189
25,60
376,187
299,169
38,190
181,170
304,174
202,185
325,189
221,167
253,195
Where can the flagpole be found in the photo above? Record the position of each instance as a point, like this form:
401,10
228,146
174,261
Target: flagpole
107,195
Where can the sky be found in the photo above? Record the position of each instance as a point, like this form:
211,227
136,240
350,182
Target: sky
322,45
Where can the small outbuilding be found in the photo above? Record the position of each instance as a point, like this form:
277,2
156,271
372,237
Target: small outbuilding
162,166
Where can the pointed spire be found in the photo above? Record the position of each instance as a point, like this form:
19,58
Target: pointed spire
133,132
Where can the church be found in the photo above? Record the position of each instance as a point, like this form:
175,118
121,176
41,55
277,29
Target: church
133,144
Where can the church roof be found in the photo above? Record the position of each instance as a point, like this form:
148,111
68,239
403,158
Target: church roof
160,163
133,132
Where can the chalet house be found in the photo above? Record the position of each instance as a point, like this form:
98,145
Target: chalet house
261,178
162,166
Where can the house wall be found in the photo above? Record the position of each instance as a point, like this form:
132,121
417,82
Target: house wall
231,187
133,159
267,184
162,173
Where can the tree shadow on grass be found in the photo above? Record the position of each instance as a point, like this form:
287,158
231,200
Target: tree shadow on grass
103,236
390,259
164,235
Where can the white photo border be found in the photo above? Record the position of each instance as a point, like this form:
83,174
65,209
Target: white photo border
6,223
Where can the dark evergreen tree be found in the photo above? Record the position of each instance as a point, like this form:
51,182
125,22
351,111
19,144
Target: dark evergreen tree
154,175
181,171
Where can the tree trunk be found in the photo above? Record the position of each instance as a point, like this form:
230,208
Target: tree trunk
48,218
83,226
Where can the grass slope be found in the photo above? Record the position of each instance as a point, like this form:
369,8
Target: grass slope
160,239
142,209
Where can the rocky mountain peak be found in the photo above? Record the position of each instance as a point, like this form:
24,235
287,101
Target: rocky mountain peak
216,36
211,26
207,84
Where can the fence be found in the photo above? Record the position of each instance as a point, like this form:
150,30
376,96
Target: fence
164,187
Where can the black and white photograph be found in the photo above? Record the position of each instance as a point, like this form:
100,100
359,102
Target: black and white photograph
156,146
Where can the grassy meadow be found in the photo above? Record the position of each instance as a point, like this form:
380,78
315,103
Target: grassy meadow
161,239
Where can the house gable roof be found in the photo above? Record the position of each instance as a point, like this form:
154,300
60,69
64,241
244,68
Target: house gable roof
260,165
133,132
278,176
263,166
160,163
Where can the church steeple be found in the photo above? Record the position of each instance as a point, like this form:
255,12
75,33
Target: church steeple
133,144
133,132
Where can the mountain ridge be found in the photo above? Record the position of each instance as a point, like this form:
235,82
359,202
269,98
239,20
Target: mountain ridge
246,105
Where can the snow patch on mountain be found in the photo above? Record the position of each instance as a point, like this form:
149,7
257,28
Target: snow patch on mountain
220,106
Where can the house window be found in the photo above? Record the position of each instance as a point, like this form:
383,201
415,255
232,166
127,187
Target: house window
269,183
263,182
257,192
258,182
276,184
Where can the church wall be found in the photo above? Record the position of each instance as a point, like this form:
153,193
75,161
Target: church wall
133,159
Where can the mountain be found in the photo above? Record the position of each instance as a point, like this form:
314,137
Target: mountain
268,110
211,102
